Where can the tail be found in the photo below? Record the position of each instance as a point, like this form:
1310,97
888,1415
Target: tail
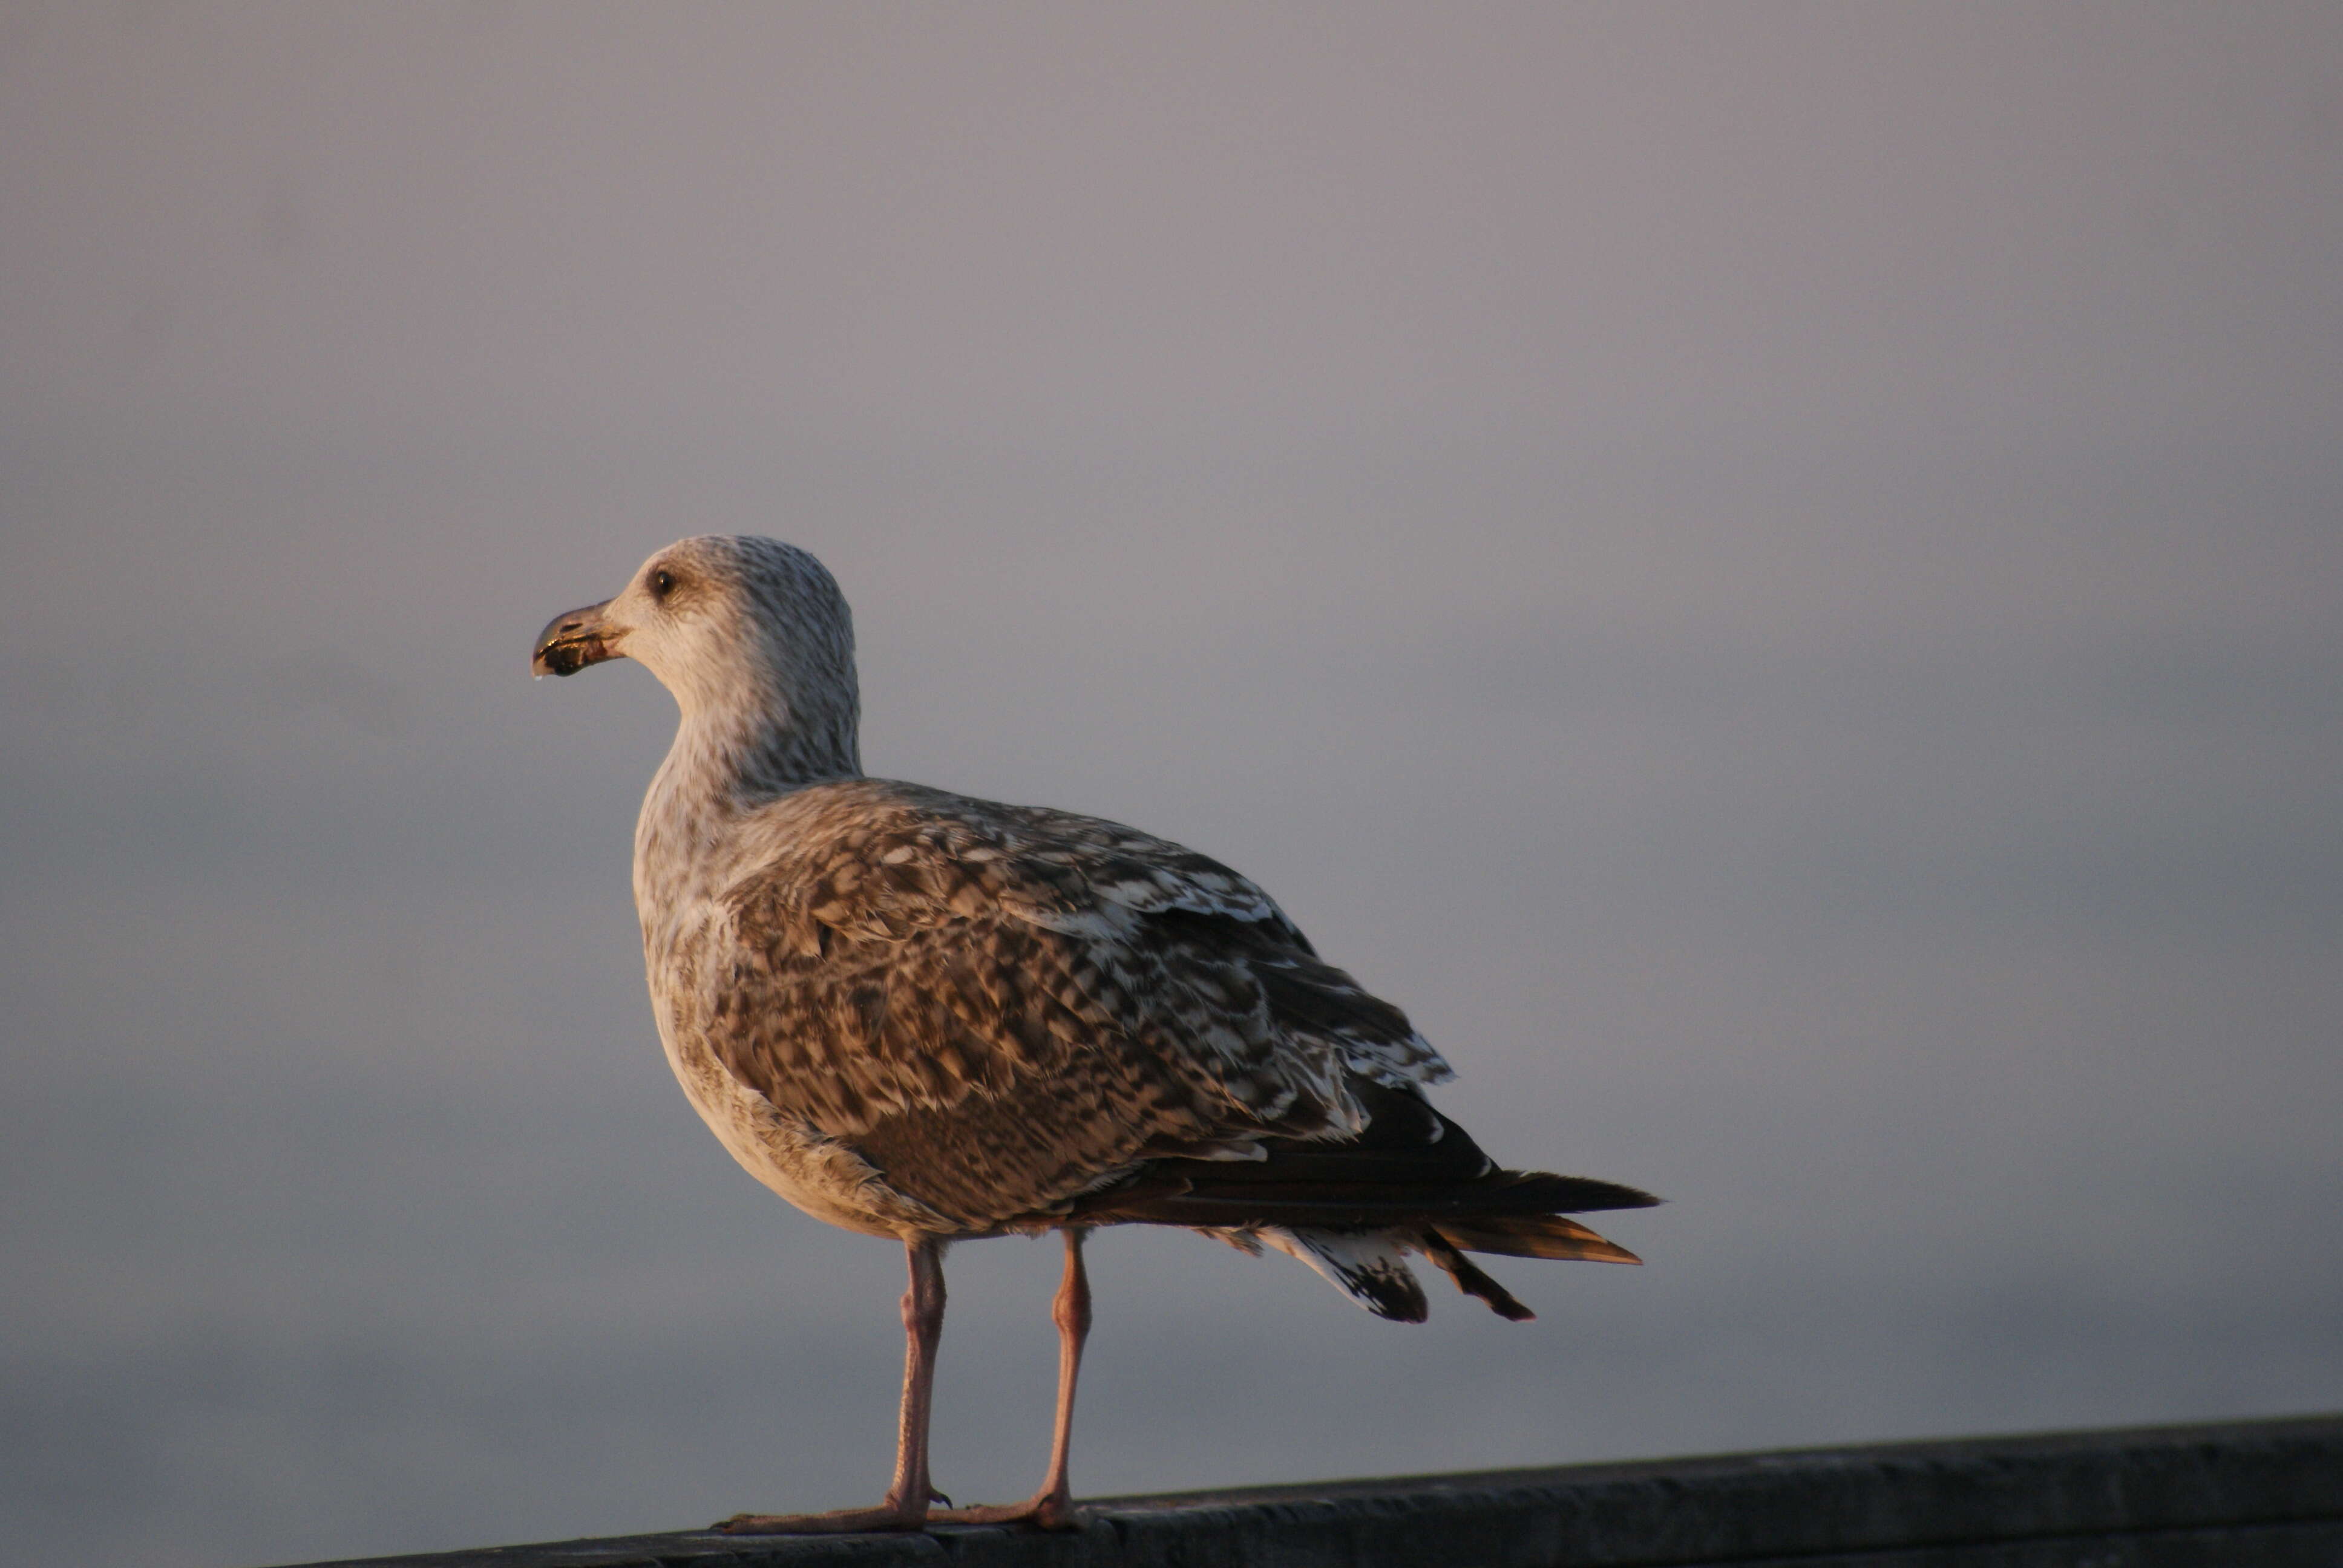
1514,1236
1353,1209
1358,1235
1371,1268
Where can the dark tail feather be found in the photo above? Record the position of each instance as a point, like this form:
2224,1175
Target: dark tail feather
1470,1279
1571,1194
1193,1192
1534,1236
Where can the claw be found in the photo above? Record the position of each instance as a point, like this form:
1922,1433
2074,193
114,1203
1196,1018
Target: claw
1045,1511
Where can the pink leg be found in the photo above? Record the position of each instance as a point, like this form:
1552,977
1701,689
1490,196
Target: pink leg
906,1504
1052,1507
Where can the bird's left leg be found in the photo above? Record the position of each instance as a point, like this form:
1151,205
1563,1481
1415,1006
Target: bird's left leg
1052,1507
906,1505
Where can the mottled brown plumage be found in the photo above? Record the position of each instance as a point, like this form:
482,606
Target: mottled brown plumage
999,1008
921,1015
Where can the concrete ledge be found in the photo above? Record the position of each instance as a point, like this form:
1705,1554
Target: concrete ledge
2249,1494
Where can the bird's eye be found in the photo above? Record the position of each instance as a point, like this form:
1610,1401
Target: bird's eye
662,584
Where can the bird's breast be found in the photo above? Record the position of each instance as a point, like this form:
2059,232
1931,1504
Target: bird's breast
687,946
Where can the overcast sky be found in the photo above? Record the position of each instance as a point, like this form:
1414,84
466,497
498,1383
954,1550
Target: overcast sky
1773,573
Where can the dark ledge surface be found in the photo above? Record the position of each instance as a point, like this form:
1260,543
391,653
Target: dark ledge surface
2245,1494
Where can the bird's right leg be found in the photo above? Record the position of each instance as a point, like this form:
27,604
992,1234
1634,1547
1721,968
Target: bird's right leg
1052,1507
905,1506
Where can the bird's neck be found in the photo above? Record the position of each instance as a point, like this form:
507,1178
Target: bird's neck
726,762
740,754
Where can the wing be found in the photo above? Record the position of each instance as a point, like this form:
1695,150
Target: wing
1000,1008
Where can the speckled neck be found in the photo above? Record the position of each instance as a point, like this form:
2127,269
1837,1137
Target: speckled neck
727,761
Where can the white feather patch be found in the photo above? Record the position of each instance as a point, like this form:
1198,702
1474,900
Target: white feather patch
1371,1268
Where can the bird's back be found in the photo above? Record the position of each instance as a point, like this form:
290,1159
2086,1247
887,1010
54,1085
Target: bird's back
1001,1007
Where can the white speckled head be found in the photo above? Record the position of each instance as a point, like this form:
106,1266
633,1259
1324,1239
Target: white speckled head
751,635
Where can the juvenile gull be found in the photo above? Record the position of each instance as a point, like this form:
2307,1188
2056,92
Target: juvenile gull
917,1015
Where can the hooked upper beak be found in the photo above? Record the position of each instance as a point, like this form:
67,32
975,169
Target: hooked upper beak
574,639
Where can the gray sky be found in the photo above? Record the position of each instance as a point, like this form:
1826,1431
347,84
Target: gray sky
1774,573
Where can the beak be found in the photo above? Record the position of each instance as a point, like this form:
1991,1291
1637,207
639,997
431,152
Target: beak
574,639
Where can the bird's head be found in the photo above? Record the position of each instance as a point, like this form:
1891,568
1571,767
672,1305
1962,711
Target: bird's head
729,625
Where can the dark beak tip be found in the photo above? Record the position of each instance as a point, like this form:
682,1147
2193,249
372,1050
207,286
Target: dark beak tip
569,642
567,657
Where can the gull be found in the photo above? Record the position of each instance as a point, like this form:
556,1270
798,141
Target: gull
935,1018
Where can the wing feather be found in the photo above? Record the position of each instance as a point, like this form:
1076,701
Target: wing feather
1002,1007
